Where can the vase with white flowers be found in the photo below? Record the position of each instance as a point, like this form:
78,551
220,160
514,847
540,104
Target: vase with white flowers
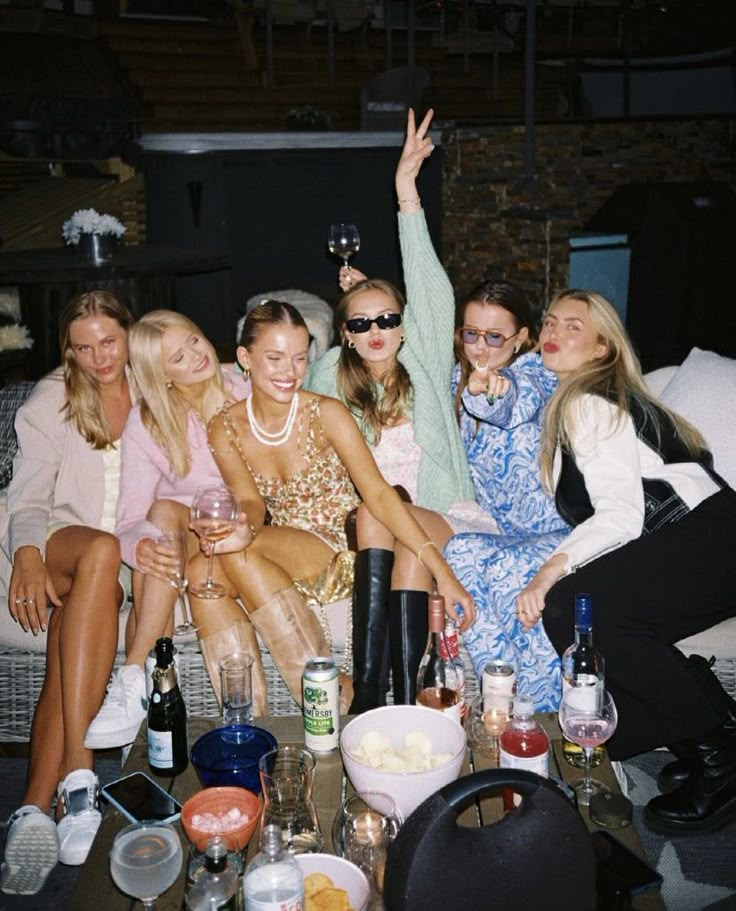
94,234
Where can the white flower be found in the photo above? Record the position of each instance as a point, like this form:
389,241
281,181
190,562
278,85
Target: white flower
89,221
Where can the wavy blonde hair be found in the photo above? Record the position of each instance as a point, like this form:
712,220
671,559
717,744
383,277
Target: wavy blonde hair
164,410
355,384
83,406
616,377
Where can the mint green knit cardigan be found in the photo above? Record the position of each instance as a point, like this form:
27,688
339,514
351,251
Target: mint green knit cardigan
427,354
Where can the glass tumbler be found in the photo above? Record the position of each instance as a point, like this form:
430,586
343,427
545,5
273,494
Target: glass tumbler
237,696
287,781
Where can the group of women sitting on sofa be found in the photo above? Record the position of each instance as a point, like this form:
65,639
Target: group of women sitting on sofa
537,469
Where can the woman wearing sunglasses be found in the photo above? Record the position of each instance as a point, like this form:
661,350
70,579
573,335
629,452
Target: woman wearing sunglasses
499,421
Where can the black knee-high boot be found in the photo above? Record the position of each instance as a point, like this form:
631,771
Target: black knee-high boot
371,585
408,631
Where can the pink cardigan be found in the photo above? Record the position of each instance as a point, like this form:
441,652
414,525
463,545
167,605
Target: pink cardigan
146,475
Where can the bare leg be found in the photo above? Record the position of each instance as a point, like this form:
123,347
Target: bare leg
153,598
277,556
82,640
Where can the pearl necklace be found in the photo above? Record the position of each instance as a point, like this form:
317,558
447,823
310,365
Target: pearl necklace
263,436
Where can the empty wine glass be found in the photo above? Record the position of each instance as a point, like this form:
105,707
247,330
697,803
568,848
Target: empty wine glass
176,543
343,241
364,827
145,860
589,724
214,513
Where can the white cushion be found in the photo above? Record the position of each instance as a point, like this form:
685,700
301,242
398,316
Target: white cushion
719,641
703,390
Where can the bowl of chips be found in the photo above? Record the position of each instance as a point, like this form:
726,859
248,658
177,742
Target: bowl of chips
333,884
406,751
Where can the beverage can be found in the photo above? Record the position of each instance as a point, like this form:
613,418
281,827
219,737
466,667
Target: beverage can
499,677
321,708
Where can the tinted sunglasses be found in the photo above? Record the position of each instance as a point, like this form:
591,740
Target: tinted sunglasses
491,337
363,323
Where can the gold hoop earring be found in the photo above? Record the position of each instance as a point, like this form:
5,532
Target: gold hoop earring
517,348
351,343
402,339
246,373
169,384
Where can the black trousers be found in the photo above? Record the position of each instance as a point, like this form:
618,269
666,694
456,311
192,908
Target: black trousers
646,596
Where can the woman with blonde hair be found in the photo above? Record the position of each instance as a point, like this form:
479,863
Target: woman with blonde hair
301,457
165,458
59,552
652,542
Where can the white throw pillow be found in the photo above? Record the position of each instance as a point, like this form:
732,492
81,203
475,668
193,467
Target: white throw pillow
704,391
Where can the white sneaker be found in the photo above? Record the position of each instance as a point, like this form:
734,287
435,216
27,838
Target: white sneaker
121,713
79,797
31,851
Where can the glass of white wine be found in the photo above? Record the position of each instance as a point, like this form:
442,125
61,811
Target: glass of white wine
343,241
145,860
214,513
176,543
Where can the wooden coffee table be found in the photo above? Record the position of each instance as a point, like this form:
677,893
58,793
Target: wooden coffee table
95,887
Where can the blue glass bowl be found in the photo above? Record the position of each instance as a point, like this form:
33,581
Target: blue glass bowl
229,756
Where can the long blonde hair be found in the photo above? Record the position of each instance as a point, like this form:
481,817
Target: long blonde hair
616,376
83,405
164,410
355,384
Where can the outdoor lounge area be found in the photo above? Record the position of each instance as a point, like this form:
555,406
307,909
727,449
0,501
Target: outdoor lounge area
209,183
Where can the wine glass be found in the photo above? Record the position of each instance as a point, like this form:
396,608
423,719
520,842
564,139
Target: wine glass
145,860
214,513
363,828
588,724
343,241
175,542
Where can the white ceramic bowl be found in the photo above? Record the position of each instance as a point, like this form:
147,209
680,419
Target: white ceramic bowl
408,789
343,874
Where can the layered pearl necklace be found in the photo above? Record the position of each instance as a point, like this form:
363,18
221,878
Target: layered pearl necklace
263,436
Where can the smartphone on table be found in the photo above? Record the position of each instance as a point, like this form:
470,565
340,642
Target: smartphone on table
619,870
140,798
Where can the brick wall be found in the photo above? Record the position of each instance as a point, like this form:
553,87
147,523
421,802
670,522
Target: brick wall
496,222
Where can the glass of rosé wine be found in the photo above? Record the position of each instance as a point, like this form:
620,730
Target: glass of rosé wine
213,515
589,726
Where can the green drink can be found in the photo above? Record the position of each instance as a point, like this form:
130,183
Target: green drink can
320,705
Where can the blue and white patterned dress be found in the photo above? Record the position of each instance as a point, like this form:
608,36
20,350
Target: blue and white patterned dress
503,443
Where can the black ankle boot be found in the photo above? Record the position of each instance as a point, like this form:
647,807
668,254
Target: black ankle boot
676,773
408,631
707,800
370,629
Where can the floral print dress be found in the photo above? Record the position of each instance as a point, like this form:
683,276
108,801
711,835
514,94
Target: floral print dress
502,439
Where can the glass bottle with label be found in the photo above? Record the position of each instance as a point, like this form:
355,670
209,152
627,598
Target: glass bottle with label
524,743
450,648
168,751
273,880
217,884
438,678
583,668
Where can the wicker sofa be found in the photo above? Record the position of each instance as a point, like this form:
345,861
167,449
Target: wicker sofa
703,388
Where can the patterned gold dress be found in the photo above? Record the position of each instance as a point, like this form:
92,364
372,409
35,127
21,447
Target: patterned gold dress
316,499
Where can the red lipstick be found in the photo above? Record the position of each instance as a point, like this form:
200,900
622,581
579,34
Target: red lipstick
550,347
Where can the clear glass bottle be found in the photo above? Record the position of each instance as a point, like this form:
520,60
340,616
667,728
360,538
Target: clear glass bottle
216,886
438,679
450,648
168,750
273,880
583,667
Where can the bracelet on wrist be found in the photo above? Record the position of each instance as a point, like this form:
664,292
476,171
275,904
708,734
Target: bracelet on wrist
427,543
410,199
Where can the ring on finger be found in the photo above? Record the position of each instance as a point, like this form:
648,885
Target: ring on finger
19,601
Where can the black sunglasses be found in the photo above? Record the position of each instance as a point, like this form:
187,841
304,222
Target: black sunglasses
363,323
